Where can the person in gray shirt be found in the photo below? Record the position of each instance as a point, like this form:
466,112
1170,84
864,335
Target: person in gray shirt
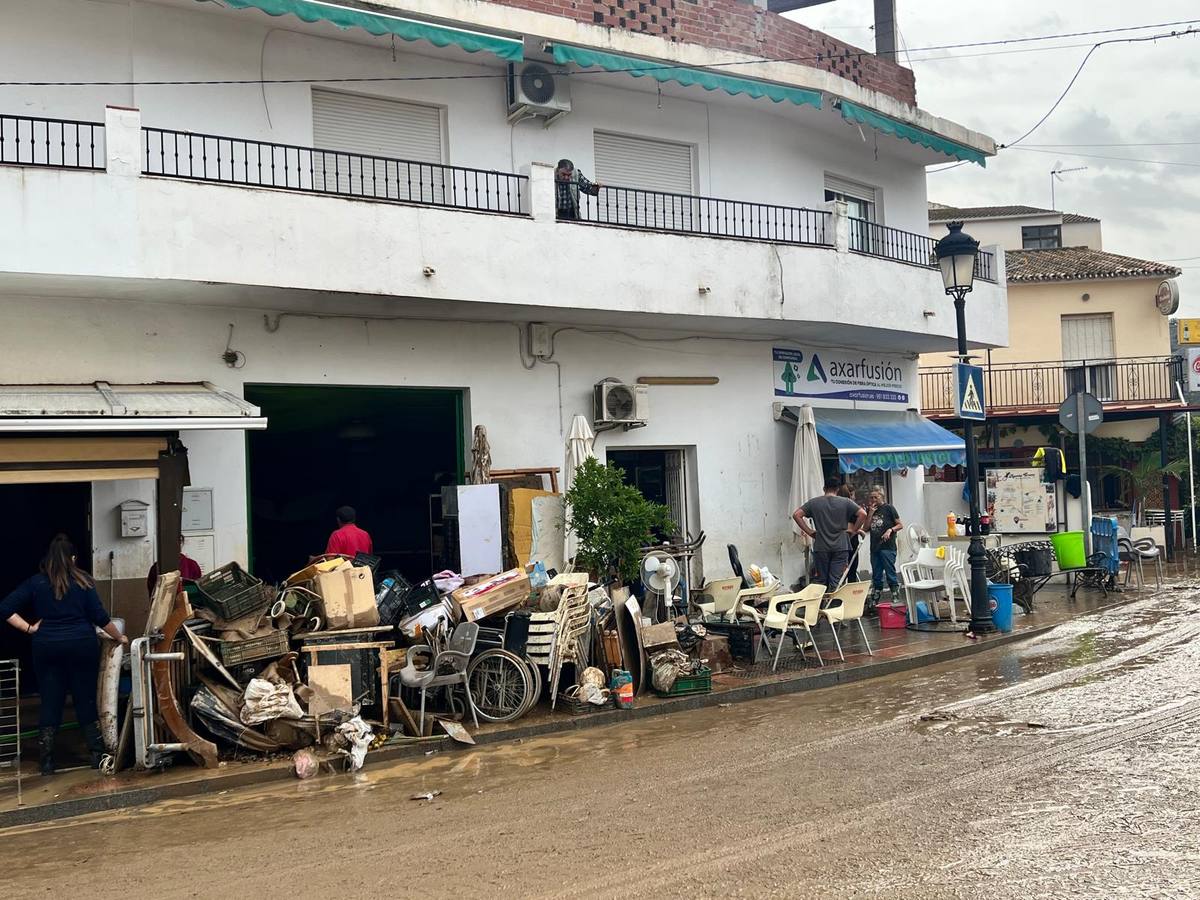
834,519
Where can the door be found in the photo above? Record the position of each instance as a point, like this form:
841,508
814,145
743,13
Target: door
375,147
1084,339
650,182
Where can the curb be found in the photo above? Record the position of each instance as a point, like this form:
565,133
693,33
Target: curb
151,793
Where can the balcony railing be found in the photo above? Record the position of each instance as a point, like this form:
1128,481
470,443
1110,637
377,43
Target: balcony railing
56,143
711,216
1043,386
241,161
874,239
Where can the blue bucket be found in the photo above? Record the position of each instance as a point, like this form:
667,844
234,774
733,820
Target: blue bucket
1000,599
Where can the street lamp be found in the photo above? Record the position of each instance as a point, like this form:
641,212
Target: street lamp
956,255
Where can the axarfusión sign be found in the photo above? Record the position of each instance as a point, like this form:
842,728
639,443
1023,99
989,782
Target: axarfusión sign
821,374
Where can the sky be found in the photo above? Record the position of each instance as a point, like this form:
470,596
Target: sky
1146,93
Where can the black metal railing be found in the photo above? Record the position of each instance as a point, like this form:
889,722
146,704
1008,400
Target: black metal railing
909,247
242,161
711,216
58,143
1045,385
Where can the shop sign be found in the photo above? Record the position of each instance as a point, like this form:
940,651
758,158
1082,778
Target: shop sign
822,374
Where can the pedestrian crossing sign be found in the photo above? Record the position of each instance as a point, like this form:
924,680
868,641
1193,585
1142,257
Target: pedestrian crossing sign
968,392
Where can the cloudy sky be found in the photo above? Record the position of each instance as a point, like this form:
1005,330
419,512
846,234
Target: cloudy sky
1146,94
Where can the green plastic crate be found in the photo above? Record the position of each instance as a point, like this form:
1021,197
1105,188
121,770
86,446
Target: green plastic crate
700,683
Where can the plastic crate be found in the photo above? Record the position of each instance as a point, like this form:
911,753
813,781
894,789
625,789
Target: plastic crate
234,653
700,683
231,592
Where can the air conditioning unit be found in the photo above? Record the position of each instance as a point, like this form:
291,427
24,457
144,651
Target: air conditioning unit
535,89
620,404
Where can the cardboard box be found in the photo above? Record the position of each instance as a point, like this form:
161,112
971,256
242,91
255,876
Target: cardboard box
660,637
348,596
497,594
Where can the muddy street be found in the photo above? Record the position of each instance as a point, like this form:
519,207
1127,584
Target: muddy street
1064,766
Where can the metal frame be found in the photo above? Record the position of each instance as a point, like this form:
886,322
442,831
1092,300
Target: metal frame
149,751
10,719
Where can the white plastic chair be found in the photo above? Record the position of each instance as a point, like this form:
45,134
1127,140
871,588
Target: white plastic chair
1146,549
926,574
847,604
744,609
719,598
793,612
957,581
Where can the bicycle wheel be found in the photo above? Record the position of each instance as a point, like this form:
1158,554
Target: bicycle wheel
500,685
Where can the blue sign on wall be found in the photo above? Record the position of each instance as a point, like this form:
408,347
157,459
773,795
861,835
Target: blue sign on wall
968,392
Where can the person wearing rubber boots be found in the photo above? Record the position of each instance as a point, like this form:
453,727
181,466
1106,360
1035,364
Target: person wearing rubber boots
60,610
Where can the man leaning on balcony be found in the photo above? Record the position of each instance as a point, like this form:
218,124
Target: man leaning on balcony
568,184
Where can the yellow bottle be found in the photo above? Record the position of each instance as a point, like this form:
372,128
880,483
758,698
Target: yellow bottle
951,525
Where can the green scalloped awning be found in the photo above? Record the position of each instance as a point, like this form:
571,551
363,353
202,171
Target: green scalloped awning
852,112
710,81
512,49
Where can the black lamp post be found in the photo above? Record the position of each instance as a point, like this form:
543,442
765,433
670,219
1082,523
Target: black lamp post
956,255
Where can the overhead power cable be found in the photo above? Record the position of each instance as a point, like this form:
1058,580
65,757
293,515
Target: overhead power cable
1157,162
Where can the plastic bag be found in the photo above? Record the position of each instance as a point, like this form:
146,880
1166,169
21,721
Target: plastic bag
305,764
356,735
263,701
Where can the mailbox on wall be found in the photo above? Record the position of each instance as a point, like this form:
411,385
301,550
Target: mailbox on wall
135,519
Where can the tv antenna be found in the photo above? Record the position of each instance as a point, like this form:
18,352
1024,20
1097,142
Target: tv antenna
1056,174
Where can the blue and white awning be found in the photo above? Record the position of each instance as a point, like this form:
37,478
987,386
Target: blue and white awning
864,439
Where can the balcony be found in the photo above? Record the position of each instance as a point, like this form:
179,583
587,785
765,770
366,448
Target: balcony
1127,385
118,208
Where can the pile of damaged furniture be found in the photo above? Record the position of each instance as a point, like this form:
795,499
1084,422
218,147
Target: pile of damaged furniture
341,658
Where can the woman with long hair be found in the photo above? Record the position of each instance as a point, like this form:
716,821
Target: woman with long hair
60,609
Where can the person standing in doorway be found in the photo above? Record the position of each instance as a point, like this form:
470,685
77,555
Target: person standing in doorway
834,520
847,491
189,570
568,185
348,540
60,610
885,524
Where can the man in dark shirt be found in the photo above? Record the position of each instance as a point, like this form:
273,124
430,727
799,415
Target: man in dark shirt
833,518
885,525
568,185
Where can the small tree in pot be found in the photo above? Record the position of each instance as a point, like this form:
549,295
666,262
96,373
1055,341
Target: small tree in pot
612,521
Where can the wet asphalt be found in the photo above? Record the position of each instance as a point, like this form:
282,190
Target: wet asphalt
1063,766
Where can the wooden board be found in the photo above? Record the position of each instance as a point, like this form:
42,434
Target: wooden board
332,689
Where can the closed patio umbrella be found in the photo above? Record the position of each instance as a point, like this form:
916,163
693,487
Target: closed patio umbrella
807,478
481,455
580,446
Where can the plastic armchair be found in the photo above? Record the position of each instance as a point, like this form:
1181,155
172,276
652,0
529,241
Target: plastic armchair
956,580
1148,550
925,574
744,609
449,667
847,604
793,612
720,598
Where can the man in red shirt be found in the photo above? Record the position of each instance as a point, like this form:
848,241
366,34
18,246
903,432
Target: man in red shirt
189,570
348,540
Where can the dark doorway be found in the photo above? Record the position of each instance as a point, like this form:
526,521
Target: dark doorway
383,451
36,513
660,476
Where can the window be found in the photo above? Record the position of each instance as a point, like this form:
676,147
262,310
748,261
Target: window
861,206
1041,237
379,146
1084,339
663,167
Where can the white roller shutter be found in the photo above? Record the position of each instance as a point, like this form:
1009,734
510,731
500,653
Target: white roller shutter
644,164
378,146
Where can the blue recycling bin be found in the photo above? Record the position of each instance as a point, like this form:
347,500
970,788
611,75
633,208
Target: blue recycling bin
1000,599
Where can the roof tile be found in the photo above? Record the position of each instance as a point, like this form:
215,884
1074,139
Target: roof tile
1079,264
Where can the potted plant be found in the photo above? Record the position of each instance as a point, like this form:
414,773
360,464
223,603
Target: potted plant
612,521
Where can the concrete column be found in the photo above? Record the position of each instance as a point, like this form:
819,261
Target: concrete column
839,225
541,192
886,29
123,140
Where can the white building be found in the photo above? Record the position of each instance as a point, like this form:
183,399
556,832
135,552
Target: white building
374,303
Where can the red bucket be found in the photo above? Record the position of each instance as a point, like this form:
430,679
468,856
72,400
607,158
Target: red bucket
892,615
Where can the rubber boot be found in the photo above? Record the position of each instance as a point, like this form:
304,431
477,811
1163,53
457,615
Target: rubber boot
46,750
95,743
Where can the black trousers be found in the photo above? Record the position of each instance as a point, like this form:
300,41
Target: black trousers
61,666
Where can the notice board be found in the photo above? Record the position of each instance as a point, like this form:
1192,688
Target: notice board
1020,502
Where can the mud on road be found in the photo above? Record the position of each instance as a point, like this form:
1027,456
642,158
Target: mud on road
1064,766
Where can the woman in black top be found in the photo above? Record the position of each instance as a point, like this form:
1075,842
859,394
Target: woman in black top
65,610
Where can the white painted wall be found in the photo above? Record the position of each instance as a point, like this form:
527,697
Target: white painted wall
132,557
742,456
1005,233
745,149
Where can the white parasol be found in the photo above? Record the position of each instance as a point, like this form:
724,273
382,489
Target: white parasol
580,446
807,478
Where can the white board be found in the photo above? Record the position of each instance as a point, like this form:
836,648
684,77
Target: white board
547,545
1020,502
480,544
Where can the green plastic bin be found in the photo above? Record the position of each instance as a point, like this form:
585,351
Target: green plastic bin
1069,549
